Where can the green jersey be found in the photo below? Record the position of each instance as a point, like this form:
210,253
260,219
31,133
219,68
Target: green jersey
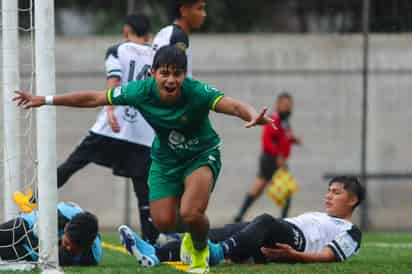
183,129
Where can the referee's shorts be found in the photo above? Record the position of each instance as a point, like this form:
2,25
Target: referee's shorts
267,166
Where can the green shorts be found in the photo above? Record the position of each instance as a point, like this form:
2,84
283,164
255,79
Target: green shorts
167,182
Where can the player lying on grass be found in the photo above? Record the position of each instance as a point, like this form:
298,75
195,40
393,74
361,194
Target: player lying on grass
311,237
186,149
79,241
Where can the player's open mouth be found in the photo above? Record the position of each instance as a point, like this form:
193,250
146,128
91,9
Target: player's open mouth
170,89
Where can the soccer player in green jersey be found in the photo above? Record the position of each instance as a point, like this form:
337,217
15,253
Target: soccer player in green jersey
185,151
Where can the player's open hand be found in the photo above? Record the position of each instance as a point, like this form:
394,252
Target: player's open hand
260,119
27,100
281,251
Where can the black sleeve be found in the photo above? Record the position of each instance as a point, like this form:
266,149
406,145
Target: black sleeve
179,38
112,51
346,244
112,64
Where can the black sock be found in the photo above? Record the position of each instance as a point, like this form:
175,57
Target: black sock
199,241
149,231
247,202
228,245
169,252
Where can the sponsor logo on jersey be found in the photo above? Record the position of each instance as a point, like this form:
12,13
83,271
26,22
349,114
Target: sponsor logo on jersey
178,141
117,91
176,138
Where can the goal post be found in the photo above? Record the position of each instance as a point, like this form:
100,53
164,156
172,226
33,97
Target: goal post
24,164
46,133
11,116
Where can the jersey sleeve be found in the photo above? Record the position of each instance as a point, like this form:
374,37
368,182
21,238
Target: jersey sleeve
112,63
130,94
207,96
346,244
171,35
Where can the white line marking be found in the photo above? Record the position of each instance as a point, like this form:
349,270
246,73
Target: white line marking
388,245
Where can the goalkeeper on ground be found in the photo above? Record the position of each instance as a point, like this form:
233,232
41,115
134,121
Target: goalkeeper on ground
79,241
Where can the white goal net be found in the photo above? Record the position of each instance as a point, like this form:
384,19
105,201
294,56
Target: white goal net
28,145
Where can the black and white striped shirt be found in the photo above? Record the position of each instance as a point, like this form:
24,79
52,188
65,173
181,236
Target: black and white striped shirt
321,230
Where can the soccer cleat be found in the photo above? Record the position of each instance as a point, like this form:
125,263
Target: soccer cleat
24,201
165,238
215,253
144,252
186,249
199,261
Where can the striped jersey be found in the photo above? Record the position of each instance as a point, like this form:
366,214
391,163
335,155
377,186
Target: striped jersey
127,61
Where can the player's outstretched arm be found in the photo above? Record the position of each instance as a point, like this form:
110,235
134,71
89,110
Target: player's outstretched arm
284,251
246,112
82,99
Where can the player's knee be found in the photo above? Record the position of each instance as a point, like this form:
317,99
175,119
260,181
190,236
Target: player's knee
265,219
165,223
190,215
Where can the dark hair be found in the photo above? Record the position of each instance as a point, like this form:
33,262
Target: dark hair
177,4
352,185
170,55
82,229
139,23
284,95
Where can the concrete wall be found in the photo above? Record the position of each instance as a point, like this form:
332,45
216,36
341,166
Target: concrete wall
322,72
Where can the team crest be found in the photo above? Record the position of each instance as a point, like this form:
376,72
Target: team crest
130,114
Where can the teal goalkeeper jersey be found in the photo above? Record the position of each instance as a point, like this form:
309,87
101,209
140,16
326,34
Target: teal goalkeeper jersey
183,129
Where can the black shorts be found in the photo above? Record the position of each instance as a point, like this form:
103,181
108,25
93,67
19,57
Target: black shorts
124,158
267,166
285,233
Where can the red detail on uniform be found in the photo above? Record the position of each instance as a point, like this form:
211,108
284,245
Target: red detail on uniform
277,141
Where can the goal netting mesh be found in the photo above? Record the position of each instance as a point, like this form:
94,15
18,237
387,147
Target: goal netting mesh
19,239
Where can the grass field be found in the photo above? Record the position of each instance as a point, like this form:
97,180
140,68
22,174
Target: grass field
380,253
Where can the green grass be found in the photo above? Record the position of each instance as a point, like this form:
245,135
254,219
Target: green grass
371,260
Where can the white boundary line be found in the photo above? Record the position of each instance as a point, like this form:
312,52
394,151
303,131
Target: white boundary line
387,245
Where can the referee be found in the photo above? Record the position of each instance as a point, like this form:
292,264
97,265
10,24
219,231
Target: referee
276,148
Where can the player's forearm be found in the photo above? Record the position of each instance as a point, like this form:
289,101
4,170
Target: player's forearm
245,112
84,99
234,107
